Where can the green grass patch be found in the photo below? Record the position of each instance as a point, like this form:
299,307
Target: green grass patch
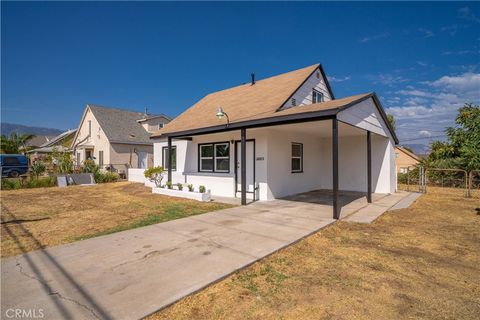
161,213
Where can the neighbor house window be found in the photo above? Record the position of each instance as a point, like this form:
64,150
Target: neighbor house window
165,158
403,170
317,96
214,157
297,157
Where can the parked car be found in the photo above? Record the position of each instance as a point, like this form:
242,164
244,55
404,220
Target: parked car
13,165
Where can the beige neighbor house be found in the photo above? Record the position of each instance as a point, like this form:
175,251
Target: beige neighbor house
116,139
278,137
405,159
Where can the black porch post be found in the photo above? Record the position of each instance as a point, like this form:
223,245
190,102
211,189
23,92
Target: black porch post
369,167
243,164
169,160
336,209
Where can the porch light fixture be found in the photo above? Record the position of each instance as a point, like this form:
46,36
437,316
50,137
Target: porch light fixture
221,113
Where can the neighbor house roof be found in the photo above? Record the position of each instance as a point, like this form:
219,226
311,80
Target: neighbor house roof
408,153
244,102
37,141
59,138
121,126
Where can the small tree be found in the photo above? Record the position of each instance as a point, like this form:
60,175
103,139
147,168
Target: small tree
155,175
38,168
62,161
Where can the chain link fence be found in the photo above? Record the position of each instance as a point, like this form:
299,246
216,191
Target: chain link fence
456,181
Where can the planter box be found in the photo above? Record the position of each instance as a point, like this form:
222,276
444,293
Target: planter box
183,194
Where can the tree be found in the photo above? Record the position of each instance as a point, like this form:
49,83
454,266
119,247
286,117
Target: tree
62,161
38,168
392,122
155,175
462,149
14,143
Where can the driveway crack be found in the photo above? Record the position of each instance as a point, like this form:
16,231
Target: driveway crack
52,292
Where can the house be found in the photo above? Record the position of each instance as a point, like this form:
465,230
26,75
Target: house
116,139
280,136
61,143
37,141
405,159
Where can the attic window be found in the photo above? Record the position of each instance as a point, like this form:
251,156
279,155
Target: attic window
294,102
318,74
317,96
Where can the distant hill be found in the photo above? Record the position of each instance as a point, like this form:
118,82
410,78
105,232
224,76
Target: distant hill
7,128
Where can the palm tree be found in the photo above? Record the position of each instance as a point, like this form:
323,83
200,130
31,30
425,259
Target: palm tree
14,143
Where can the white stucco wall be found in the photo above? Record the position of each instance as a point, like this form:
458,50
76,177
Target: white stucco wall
136,175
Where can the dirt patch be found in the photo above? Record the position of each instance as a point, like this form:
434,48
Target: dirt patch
421,262
37,218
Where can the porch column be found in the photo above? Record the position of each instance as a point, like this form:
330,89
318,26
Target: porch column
169,160
243,164
369,167
336,209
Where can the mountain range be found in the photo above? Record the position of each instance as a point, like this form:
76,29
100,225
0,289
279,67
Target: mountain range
7,128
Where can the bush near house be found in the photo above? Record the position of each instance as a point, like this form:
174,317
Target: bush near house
19,183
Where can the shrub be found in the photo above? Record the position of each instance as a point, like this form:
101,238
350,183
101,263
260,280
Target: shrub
43,182
62,161
180,186
201,189
169,185
89,166
155,175
38,168
190,187
104,177
11,183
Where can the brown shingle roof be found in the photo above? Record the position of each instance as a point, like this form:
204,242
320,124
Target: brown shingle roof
241,103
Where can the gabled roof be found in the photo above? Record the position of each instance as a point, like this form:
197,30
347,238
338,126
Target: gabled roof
37,141
58,138
243,102
120,126
408,153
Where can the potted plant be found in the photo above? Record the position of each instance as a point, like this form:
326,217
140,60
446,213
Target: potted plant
169,185
190,187
201,189
180,186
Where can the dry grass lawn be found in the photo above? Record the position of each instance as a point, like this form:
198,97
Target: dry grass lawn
44,217
417,263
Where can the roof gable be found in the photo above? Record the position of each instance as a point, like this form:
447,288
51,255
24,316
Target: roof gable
242,102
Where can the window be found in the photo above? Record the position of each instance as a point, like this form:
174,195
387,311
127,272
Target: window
317,96
160,125
78,158
11,161
297,157
294,102
214,157
403,170
100,158
165,158
89,127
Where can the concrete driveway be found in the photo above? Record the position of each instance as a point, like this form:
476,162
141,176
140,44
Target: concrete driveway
131,274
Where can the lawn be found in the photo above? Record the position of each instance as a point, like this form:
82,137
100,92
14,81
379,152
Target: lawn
44,217
417,263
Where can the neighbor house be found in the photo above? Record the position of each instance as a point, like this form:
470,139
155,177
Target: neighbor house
405,159
61,143
280,136
116,139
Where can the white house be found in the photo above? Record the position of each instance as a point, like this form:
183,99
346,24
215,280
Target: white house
280,136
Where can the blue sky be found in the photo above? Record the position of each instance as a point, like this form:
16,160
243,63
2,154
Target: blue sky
422,59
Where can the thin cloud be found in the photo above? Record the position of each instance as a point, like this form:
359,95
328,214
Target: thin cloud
374,37
422,64
426,32
459,52
451,30
335,79
467,14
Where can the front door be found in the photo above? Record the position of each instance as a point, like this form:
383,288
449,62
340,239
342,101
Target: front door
142,160
250,167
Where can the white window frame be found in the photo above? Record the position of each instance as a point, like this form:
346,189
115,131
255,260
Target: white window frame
165,160
224,157
296,157
206,158
316,94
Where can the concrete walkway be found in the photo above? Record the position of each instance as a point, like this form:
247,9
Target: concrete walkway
131,274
